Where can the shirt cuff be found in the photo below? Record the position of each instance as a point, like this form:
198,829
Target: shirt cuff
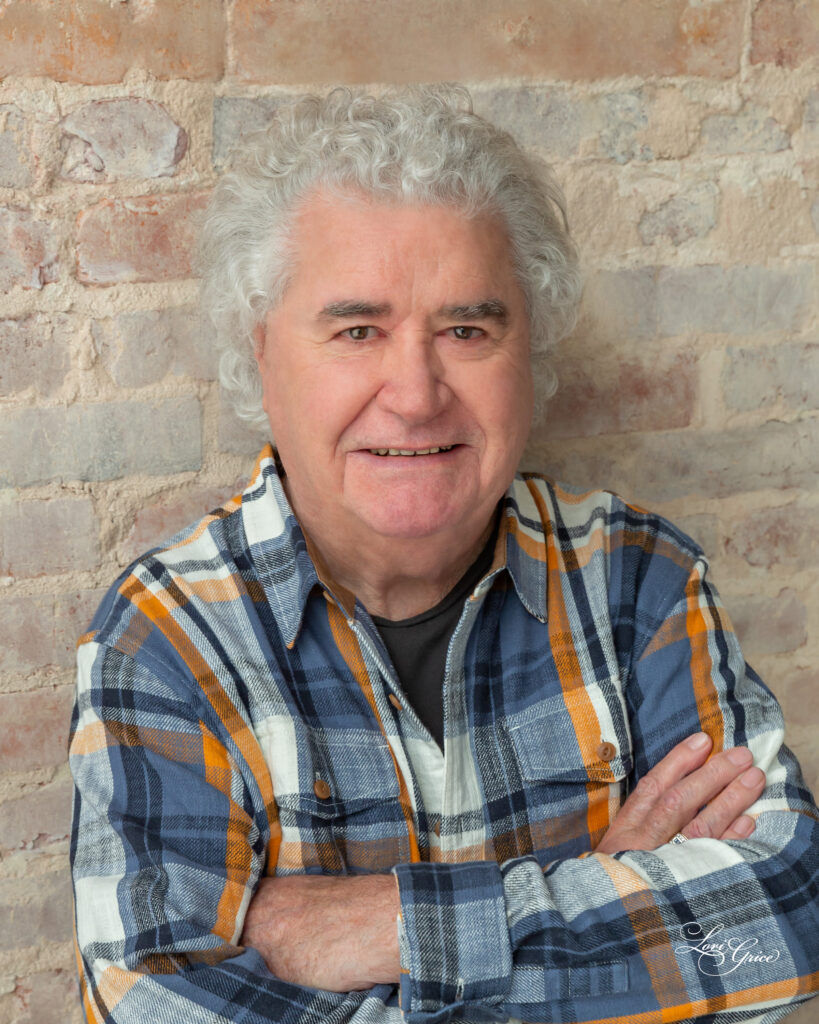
456,956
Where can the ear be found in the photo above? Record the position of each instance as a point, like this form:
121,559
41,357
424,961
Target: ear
259,338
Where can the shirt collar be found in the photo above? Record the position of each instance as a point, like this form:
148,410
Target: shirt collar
289,566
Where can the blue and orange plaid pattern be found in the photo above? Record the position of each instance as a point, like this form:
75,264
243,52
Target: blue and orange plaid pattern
233,719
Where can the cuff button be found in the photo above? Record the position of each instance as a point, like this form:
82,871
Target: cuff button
607,751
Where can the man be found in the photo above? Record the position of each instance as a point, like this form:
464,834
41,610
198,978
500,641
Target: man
361,744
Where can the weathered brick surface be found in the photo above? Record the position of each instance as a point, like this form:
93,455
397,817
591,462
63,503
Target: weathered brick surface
40,631
47,997
28,250
158,520
148,238
39,538
236,117
733,300
704,529
34,353
100,442
15,148
754,378
751,130
35,728
785,536
658,467
120,138
549,119
769,625
600,396
141,348
95,42
38,819
690,214
276,40
785,32
37,911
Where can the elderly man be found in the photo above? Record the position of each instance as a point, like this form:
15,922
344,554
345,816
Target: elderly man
398,733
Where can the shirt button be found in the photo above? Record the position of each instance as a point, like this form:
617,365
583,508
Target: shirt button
437,828
607,751
321,789
396,703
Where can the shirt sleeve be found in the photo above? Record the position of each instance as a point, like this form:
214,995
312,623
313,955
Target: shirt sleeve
168,843
727,930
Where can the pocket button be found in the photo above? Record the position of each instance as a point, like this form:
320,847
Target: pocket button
321,789
607,751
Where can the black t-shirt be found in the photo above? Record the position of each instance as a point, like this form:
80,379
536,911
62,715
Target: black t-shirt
418,645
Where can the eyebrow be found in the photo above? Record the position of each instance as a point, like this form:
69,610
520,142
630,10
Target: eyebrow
488,309
353,308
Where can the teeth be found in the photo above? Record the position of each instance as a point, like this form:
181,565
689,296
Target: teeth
410,451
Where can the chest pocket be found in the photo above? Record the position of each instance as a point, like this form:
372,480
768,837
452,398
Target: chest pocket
574,755
337,795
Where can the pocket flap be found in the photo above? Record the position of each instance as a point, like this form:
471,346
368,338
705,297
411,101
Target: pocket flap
576,737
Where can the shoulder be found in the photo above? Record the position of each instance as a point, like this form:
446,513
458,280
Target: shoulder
582,522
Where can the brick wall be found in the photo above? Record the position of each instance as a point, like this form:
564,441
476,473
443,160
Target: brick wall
686,134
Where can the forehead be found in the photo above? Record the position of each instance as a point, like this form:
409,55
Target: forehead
353,241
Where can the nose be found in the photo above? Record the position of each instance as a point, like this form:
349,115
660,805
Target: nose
413,385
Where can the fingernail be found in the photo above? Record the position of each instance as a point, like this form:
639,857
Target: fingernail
739,756
745,825
752,778
698,740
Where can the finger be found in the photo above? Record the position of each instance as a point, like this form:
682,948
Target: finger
682,759
740,829
726,807
678,806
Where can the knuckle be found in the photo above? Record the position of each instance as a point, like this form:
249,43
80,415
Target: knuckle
699,828
672,800
648,788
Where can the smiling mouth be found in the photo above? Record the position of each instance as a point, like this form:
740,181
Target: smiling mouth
411,451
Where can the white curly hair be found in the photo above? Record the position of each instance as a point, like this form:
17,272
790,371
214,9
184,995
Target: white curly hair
420,144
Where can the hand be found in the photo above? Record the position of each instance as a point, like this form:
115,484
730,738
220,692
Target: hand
326,931
668,799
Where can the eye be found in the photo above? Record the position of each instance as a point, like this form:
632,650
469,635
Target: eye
359,333
466,333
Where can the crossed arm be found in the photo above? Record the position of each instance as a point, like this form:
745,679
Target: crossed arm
339,933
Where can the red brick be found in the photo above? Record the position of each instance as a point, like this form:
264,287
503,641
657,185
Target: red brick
126,137
34,353
148,238
94,41
769,625
33,821
28,250
777,536
158,521
328,41
35,728
40,538
41,631
785,32
604,396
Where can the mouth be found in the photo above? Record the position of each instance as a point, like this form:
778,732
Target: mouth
411,452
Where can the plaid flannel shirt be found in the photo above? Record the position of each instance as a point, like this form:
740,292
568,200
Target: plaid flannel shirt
233,719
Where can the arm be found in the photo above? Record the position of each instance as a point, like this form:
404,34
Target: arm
621,936
168,843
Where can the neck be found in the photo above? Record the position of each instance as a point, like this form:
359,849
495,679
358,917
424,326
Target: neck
395,578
